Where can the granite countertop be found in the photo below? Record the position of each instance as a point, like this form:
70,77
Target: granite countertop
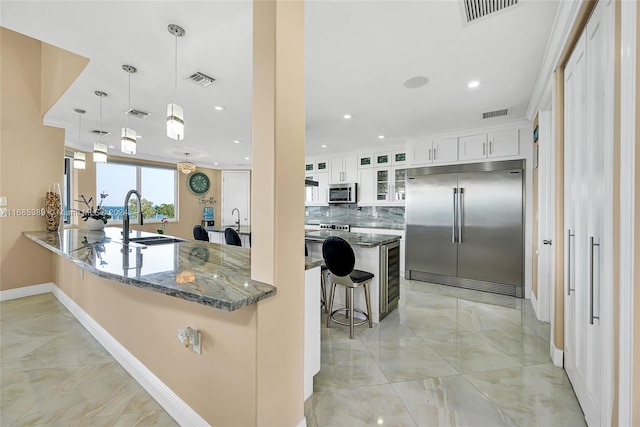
361,224
207,273
365,240
244,229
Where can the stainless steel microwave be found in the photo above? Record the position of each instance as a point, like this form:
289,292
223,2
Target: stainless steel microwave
343,193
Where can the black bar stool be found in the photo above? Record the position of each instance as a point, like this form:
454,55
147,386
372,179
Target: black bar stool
199,233
231,237
340,259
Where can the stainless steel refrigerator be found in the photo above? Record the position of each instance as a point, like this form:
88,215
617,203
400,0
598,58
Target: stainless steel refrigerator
464,226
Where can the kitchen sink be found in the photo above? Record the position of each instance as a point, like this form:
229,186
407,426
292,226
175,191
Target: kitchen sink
155,240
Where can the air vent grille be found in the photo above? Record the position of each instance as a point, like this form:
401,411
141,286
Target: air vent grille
476,9
99,132
201,79
497,113
137,113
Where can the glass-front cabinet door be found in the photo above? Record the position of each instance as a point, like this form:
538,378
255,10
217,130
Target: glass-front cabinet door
382,185
400,179
390,186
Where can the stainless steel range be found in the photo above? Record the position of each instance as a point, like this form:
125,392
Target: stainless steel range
338,227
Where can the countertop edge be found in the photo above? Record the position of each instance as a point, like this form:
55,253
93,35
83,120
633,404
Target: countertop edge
208,301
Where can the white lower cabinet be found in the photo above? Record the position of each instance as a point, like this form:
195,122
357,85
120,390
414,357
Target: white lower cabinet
312,319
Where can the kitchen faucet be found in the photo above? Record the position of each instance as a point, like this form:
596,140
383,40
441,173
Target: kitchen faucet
125,218
238,221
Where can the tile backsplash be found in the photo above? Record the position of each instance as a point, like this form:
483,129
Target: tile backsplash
357,216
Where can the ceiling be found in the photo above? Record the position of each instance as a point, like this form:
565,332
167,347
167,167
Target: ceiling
358,55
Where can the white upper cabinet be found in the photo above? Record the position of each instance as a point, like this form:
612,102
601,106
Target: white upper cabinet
472,147
437,151
503,143
399,157
494,144
366,186
365,161
343,169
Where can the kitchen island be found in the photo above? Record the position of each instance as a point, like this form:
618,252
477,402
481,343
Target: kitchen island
140,294
218,276
376,253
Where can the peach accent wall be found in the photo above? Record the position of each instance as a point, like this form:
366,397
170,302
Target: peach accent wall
278,207
31,79
218,384
190,211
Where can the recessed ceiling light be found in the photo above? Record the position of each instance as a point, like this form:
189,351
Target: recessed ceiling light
215,163
246,158
138,136
324,146
347,116
381,136
416,82
473,83
112,146
218,108
236,141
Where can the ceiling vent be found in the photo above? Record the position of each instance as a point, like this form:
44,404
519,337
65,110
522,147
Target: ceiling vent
137,113
497,113
99,132
476,9
201,79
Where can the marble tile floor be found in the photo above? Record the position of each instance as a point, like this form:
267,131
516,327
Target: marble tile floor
54,373
446,357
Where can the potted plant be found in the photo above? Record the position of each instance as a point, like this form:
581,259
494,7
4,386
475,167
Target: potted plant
95,217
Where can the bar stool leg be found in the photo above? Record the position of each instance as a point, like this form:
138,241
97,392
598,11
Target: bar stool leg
346,302
333,291
368,301
350,290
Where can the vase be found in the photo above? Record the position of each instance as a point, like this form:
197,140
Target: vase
95,224
53,207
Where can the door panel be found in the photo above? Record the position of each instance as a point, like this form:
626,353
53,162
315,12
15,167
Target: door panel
430,224
491,239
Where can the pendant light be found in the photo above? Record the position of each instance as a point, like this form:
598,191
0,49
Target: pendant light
129,138
186,167
175,115
79,157
99,148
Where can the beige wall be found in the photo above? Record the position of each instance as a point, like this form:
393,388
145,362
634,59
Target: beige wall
32,78
190,211
219,384
636,280
278,207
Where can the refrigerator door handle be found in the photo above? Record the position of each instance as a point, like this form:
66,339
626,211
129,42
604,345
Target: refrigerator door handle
453,211
460,213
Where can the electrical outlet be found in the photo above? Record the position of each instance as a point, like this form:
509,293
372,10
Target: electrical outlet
3,200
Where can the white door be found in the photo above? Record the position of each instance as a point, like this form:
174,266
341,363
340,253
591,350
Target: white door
546,227
236,194
588,201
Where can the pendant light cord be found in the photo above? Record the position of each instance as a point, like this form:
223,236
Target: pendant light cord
79,126
175,88
129,115
101,120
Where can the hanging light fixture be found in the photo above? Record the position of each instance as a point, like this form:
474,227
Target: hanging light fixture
175,115
129,137
79,157
186,167
99,148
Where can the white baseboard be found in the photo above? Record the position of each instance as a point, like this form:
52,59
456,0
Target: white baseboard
26,291
170,402
557,356
534,304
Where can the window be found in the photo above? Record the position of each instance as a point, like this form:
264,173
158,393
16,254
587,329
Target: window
157,186
67,189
